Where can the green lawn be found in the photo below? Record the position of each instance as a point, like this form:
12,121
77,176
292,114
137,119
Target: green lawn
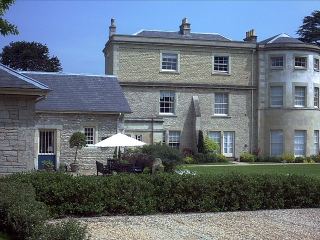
301,169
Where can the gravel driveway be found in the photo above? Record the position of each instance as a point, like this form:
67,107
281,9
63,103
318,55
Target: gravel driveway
275,224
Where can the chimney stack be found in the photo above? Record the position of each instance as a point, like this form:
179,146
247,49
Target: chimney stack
185,27
112,28
251,36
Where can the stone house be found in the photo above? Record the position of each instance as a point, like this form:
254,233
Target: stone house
40,111
180,82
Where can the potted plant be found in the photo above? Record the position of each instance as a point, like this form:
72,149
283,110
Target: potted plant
77,140
48,165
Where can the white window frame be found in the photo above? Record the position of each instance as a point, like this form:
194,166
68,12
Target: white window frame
316,97
216,137
171,103
299,66
215,55
174,139
272,57
296,97
298,146
227,154
273,96
47,136
93,135
178,61
316,64
316,142
276,143
223,106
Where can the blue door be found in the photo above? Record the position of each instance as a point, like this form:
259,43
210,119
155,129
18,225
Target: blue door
46,148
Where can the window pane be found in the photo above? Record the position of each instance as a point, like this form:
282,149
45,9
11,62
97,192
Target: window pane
299,99
174,139
277,61
316,142
228,143
316,64
221,64
169,61
276,142
167,101
221,103
276,96
89,132
299,143
300,62
316,97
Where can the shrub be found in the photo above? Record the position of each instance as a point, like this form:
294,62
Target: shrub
187,152
139,159
308,160
247,157
170,157
315,158
19,210
288,157
189,160
66,230
299,159
146,194
210,146
221,158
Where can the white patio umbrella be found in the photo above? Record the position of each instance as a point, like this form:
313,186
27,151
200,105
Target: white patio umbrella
119,140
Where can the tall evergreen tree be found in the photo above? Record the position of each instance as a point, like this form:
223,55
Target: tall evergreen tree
200,142
309,31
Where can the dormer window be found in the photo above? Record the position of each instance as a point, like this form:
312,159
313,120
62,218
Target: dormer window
300,62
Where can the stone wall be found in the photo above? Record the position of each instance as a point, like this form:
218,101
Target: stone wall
143,64
66,124
144,103
16,133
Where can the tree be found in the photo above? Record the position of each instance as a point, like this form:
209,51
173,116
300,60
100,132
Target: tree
29,56
6,28
77,140
200,142
309,31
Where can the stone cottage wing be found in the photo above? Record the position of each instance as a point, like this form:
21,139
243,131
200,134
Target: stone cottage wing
81,93
12,80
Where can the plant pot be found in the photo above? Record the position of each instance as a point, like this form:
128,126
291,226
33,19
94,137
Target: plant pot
74,167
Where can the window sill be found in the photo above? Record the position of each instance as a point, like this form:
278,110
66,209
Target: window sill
300,68
90,147
221,74
277,107
220,116
316,70
276,68
167,115
169,72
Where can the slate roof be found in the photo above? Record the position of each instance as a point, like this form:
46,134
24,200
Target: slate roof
81,93
280,38
178,35
11,79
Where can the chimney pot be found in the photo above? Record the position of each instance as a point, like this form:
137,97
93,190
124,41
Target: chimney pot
112,27
185,27
251,36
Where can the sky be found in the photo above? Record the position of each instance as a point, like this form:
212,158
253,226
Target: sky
76,31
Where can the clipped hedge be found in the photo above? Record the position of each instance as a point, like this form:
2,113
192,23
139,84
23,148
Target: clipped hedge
167,193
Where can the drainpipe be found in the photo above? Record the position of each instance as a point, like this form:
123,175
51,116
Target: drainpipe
252,70
152,131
